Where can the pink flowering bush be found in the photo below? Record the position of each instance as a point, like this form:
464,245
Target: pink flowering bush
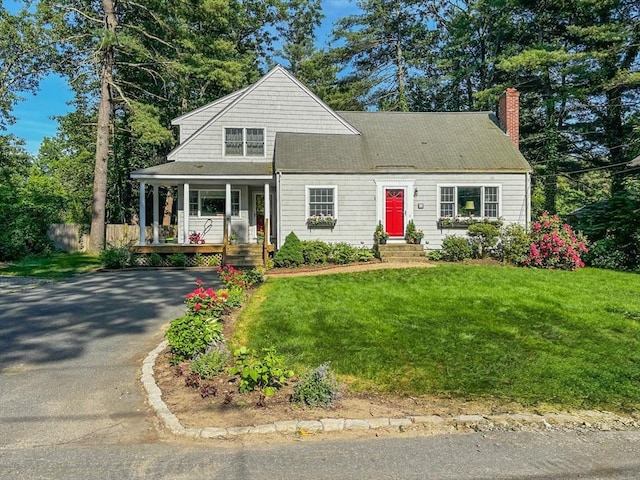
555,245
206,303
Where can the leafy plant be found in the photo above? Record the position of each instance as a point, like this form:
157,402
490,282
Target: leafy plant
412,234
233,277
206,303
191,335
483,236
364,254
555,245
235,296
266,373
290,254
155,260
455,249
210,363
379,233
342,253
114,256
435,255
514,245
315,252
177,259
317,388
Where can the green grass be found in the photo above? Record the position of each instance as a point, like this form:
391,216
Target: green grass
532,336
56,266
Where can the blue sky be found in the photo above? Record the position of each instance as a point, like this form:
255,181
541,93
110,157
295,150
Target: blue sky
35,114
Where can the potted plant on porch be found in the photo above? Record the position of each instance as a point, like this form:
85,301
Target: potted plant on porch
379,235
412,234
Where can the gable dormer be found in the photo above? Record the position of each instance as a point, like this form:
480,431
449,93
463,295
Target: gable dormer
245,123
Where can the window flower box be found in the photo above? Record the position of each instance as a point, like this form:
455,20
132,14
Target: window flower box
464,222
321,221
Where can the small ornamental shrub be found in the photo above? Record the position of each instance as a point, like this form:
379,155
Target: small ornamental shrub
177,259
434,255
189,336
115,256
254,277
290,254
235,296
364,254
412,234
315,252
209,364
607,254
155,260
514,244
316,388
483,237
206,303
266,373
555,245
456,249
342,253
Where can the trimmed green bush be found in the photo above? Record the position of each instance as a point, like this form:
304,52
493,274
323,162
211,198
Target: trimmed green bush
115,256
514,244
177,260
342,253
456,249
290,254
315,252
483,237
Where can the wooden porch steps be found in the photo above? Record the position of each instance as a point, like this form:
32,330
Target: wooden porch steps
247,255
401,253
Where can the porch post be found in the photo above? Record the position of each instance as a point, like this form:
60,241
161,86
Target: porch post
155,215
267,214
227,205
142,214
185,214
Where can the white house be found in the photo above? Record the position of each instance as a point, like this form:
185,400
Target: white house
273,154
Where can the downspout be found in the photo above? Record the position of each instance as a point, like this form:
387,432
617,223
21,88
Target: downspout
278,210
527,183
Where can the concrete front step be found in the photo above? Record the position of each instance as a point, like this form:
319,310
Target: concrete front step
407,260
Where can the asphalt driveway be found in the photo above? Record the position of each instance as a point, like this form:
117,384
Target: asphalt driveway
70,354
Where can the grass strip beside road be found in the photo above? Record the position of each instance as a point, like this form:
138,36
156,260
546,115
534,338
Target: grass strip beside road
569,339
56,266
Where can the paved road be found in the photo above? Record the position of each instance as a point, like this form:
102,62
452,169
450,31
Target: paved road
71,406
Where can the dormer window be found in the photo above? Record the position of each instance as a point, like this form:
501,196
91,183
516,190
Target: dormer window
244,142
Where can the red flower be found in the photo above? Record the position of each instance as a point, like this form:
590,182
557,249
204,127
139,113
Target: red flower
197,307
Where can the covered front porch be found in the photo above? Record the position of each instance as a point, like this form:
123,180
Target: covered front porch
217,212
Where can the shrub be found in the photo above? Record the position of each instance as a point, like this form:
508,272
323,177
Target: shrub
233,277
455,249
514,244
606,253
266,373
434,255
177,259
316,388
412,234
482,237
555,245
235,296
254,277
206,303
290,254
315,251
364,254
115,256
155,260
342,253
210,363
191,335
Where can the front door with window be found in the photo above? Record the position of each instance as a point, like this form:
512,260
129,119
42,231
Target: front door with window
394,212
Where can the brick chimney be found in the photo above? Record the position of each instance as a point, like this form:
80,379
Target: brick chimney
509,114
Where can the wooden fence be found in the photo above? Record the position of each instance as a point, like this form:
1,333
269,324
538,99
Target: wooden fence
68,238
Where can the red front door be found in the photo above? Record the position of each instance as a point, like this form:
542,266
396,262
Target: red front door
394,212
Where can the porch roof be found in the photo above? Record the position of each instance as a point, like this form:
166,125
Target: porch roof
184,171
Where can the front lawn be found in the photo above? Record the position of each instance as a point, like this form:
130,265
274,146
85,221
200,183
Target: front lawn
56,266
536,337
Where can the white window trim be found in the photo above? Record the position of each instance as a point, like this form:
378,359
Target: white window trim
244,142
307,198
199,215
455,186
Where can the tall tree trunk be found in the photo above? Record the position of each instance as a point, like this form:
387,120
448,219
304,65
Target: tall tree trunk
102,137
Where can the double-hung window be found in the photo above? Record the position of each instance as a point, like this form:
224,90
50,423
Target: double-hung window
322,201
212,203
244,142
469,201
